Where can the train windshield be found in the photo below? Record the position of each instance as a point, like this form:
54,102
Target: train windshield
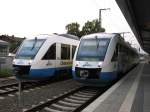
92,49
29,48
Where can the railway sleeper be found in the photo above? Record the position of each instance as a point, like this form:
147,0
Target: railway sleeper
81,95
52,110
9,89
2,91
74,101
85,93
91,92
69,103
65,108
78,98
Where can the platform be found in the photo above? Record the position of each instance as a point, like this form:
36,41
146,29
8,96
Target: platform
130,94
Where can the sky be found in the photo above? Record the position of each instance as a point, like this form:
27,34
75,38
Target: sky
27,18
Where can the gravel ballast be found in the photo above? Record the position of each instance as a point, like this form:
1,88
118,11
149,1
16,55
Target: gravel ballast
37,95
7,80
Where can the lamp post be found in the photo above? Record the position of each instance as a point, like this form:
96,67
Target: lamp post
100,16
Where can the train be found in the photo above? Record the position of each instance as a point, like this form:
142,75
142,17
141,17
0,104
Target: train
44,56
102,58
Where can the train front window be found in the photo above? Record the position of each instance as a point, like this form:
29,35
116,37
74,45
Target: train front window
29,48
92,49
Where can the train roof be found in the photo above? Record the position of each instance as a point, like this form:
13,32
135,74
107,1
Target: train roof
40,36
3,42
69,36
101,35
45,36
109,35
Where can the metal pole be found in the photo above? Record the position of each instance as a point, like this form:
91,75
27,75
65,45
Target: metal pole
100,16
20,94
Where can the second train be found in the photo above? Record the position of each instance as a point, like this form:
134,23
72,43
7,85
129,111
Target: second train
101,58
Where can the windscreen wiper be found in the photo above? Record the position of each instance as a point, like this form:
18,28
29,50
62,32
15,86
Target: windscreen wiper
35,41
97,41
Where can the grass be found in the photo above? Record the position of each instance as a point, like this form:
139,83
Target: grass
5,72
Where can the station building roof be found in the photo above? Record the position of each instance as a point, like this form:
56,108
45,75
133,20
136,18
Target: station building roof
3,43
137,14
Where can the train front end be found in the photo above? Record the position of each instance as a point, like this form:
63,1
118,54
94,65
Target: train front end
88,64
24,58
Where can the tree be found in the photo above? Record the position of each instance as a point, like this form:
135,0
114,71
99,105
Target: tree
92,27
73,28
88,28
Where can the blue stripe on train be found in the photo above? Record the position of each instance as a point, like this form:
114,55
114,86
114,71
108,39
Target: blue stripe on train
42,73
39,73
108,76
48,72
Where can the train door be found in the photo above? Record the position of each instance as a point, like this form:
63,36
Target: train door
58,55
65,56
120,66
114,59
123,58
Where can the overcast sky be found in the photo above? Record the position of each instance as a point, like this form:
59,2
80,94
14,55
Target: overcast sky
26,18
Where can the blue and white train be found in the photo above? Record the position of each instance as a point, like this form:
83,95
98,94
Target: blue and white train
44,56
100,58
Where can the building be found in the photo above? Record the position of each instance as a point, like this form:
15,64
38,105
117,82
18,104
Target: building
5,60
4,48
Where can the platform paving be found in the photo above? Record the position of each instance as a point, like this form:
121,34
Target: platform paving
130,94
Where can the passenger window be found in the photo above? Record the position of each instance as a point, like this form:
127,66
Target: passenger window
65,51
73,51
51,53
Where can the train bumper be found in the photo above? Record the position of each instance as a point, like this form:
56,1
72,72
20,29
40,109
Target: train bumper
103,78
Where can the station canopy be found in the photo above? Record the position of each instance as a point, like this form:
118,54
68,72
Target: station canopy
137,14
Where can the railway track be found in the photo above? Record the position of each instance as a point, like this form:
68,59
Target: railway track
72,101
11,88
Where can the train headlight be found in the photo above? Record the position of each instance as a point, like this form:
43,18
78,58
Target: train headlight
30,62
77,64
13,62
99,64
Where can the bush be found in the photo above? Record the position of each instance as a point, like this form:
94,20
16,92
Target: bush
5,72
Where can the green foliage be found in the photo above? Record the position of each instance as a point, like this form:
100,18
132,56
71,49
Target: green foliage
88,28
73,29
5,72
